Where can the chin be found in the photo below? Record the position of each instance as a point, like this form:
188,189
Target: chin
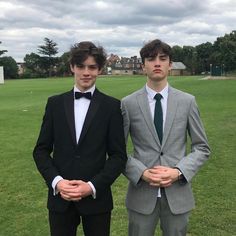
158,78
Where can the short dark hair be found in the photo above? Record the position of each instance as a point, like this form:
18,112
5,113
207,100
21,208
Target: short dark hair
152,48
79,52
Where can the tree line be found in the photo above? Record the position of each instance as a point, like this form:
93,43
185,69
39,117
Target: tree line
198,59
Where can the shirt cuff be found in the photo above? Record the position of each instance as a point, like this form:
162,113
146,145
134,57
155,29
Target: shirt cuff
54,184
93,188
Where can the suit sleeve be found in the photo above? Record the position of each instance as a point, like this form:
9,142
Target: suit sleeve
200,151
44,147
116,151
134,168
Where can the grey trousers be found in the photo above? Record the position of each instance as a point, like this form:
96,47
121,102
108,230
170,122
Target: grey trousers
170,224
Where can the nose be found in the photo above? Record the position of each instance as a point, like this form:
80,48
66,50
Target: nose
86,70
157,62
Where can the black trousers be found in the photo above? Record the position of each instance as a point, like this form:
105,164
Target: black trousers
66,223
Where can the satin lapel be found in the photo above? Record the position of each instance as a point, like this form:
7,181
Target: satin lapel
145,109
69,110
93,107
172,104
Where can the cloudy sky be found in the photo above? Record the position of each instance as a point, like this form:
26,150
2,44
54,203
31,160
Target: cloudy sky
121,26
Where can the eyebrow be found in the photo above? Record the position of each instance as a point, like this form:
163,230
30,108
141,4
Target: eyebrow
162,55
81,64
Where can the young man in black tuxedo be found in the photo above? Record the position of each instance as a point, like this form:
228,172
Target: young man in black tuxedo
81,149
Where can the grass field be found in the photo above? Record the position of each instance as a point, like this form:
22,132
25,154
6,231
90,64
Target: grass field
23,193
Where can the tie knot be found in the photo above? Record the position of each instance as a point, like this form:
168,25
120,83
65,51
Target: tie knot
158,97
79,95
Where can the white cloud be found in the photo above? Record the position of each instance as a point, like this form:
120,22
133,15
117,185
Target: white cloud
120,26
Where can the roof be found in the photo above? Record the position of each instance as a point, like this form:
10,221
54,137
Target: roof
178,66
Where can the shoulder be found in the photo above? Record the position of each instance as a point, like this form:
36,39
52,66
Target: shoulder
133,96
107,99
186,100
59,97
180,94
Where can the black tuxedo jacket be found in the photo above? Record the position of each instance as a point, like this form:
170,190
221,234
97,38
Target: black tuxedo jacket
99,156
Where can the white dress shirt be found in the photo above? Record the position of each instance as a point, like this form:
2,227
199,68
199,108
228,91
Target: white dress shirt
80,110
152,102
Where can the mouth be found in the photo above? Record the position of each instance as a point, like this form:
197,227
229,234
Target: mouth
157,71
85,79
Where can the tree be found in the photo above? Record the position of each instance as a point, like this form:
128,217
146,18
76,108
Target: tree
34,65
2,51
189,58
177,53
225,51
63,65
48,50
204,52
10,67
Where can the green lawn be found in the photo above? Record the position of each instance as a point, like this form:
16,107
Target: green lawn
23,193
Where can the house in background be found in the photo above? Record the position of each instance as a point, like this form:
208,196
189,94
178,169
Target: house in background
133,66
124,65
178,68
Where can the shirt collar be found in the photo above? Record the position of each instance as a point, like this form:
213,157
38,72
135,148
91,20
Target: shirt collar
151,93
92,89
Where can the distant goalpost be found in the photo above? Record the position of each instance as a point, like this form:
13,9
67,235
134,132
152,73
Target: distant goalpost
1,75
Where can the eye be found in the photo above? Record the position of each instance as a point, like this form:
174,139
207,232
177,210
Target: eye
163,58
150,58
80,66
93,67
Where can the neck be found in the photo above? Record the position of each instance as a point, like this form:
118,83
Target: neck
157,85
81,89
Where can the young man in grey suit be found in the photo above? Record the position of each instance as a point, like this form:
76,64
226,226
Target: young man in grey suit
158,119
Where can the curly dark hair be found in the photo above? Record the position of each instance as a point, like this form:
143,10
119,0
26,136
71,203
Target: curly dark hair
79,52
152,48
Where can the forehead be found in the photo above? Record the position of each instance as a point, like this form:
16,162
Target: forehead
157,52
90,60
161,54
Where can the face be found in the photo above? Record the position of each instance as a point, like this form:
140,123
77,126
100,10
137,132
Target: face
85,74
157,67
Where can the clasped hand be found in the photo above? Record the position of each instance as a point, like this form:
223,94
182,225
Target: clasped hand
73,190
160,176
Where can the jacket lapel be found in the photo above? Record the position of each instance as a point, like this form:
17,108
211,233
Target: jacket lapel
69,110
145,109
93,108
170,113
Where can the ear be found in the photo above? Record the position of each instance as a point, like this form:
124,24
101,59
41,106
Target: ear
72,68
100,71
143,67
170,65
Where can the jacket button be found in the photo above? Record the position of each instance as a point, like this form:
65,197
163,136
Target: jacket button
161,153
77,156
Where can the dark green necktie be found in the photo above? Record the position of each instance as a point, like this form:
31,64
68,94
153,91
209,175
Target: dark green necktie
158,116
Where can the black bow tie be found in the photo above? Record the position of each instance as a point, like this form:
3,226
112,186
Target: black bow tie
79,95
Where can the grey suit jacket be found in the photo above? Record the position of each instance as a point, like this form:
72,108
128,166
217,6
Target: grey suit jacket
182,119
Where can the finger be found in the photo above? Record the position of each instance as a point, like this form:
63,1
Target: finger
74,182
74,193
155,179
160,168
157,171
69,190
155,184
71,194
168,182
76,199
65,197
